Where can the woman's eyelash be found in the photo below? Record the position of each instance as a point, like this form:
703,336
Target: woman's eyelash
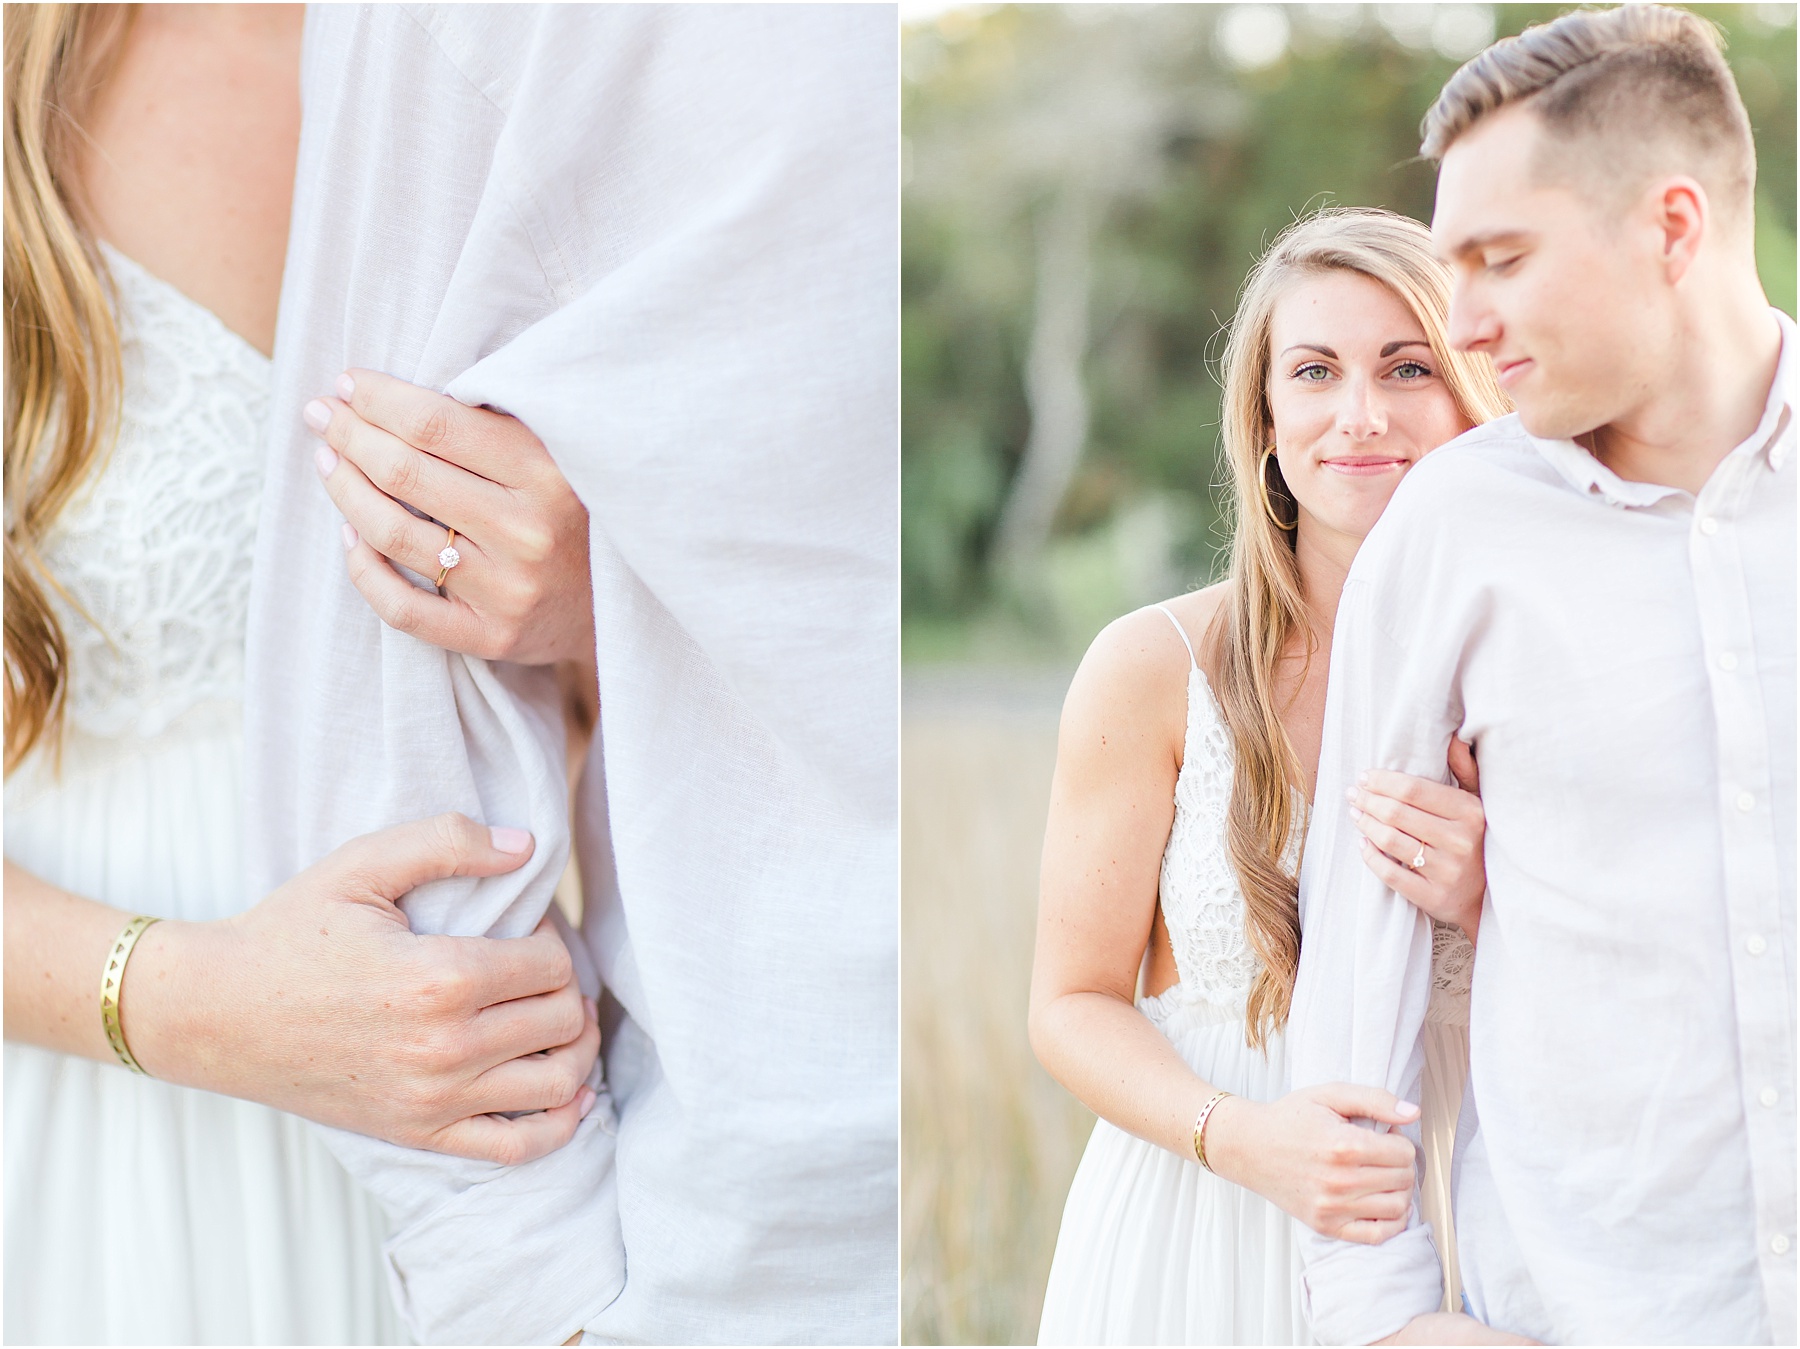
1310,365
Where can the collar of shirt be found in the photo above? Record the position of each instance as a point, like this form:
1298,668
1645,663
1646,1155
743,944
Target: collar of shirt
1587,474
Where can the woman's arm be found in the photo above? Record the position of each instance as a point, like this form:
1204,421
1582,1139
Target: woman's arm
321,1001
1112,804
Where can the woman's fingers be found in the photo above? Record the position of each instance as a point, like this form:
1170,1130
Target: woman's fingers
387,526
511,1030
432,422
393,861
513,1142
438,486
540,1081
1400,846
1370,1233
437,619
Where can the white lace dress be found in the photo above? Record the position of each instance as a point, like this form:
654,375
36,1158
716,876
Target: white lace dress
1153,1249
137,1211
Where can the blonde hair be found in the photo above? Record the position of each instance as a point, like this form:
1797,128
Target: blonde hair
1624,93
1264,605
62,346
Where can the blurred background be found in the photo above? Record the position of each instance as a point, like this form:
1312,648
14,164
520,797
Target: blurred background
1085,187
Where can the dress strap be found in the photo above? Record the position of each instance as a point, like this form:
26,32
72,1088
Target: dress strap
1170,615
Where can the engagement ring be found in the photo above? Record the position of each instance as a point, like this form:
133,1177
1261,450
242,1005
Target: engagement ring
448,557
1418,863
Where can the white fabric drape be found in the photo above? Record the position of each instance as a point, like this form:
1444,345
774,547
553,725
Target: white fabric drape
665,238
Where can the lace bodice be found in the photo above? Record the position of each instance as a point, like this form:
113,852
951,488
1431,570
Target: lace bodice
1201,901
156,547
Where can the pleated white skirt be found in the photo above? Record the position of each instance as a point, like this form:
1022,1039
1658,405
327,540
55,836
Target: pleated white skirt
143,1213
1155,1250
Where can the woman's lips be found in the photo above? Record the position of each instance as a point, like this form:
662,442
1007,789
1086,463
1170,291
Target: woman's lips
1365,466
1511,372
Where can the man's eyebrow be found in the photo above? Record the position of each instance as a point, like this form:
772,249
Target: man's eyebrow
1308,346
1392,347
1476,242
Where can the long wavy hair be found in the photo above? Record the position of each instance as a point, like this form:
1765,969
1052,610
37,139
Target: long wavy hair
62,346
1264,608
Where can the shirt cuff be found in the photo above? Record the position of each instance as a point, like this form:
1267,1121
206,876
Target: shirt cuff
528,1256
1355,1294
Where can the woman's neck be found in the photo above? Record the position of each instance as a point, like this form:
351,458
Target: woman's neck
1324,557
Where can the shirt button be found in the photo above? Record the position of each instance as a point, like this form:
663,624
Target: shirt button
1727,661
1756,946
1779,1244
1769,1097
1746,802
1709,526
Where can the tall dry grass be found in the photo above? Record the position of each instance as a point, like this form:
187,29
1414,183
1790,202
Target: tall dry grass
989,1142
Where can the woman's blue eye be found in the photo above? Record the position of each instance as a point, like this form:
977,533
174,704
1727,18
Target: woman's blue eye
1419,371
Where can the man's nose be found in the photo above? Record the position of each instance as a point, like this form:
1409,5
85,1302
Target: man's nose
1472,325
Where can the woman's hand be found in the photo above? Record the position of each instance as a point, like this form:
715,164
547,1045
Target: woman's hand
1303,1155
522,590
322,1002
1403,818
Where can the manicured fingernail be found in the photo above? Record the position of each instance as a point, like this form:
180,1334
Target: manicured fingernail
350,536
1406,1108
592,1010
345,387
325,460
507,839
587,1098
1350,793
1362,779
1355,814
317,415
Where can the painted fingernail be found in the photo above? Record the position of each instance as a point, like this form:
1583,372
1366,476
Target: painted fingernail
317,415
507,839
1362,779
1406,1108
592,1010
1355,814
345,386
351,537
325,460
1350,793
587,1098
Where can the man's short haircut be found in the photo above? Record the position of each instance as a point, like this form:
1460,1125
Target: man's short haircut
1622,94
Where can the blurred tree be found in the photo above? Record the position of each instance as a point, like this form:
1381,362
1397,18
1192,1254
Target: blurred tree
1086,187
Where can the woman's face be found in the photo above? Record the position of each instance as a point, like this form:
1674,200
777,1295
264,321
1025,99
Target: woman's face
1357,398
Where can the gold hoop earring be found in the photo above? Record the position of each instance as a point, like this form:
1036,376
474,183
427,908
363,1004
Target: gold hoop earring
1269,505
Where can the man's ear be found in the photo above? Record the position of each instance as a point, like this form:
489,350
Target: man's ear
1682,217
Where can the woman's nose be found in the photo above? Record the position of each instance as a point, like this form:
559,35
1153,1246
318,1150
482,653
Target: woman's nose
1362,414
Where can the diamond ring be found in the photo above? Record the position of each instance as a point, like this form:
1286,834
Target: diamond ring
448,557
1418,863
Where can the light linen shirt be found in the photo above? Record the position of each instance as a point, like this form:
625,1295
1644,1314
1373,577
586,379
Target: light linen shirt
665,239
1622,656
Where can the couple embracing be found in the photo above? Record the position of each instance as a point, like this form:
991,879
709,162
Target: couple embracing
1418,903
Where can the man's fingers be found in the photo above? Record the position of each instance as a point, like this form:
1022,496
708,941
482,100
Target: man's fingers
513,1142
432,422
391,862
1463,767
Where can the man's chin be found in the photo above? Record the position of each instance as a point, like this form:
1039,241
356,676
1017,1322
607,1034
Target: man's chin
1550,422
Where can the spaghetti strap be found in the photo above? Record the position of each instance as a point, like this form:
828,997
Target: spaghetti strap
1170,615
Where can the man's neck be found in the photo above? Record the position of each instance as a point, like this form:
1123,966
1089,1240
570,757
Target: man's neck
1706,404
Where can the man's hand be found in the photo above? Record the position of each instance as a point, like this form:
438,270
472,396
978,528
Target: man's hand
1451,1328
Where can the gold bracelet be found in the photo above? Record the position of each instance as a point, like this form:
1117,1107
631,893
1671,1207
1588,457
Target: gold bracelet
1200,1129
112,980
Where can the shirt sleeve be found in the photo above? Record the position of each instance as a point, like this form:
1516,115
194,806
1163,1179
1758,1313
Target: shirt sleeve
1365,957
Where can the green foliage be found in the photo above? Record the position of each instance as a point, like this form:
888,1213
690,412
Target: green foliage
1196,164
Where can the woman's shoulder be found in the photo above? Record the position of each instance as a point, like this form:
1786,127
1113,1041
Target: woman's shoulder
1134,677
